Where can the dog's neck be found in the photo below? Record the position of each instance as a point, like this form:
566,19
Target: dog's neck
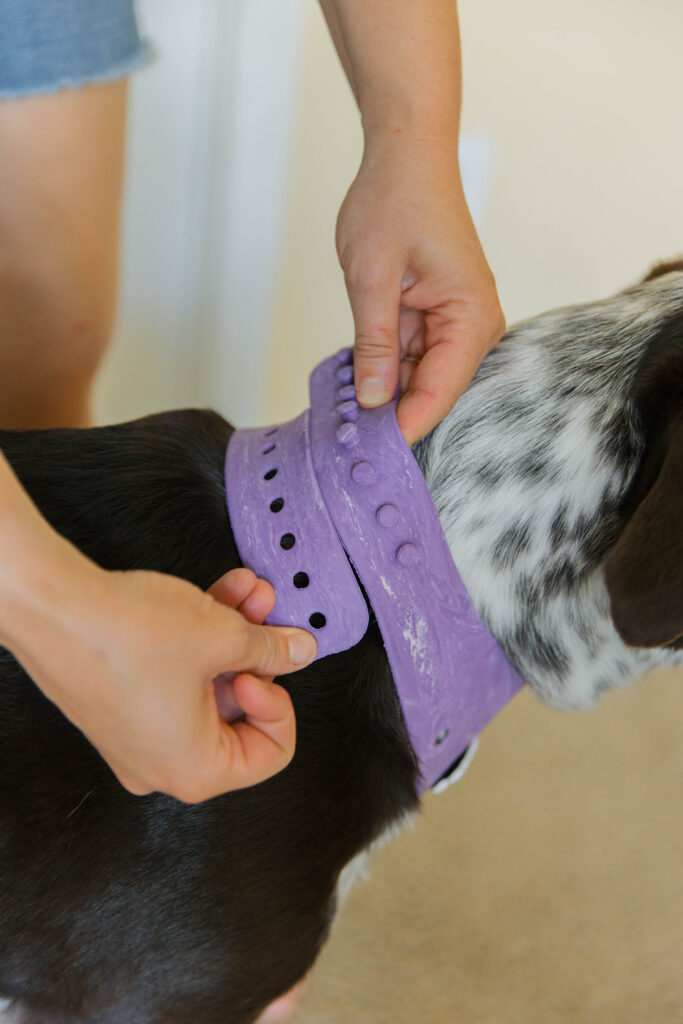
528,474
338,487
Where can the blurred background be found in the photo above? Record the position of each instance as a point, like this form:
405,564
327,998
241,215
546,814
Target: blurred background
244,137
548,886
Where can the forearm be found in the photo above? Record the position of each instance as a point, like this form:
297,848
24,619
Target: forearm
402,60
41,574
423,298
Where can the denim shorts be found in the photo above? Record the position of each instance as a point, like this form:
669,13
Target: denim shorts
47,45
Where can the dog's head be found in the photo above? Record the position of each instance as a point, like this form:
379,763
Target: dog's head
558,476
644,572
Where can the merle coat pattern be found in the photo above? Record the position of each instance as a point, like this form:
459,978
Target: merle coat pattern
557,477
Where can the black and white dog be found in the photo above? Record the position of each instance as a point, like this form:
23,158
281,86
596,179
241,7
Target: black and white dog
558,478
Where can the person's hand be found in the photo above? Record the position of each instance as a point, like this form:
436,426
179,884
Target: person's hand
420,288
145,664
135,670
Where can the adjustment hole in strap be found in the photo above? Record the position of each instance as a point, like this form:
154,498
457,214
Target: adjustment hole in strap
270,432
287,541
277,504
317,620
270,474
268,448
301,580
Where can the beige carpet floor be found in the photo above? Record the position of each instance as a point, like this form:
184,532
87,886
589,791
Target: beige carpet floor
545,888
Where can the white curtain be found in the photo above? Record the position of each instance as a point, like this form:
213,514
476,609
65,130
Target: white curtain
209,135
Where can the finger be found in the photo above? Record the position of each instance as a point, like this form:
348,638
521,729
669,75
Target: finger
411,331
244,591
264,743
233,587
405,372
266,651
267,706
375,306
237,755
259,603
434,386
226,702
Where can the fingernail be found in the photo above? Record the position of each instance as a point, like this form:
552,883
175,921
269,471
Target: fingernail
373,391
302,647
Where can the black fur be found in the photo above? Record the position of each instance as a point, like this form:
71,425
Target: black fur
118,909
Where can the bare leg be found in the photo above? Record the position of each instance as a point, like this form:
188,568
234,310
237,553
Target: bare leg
60,187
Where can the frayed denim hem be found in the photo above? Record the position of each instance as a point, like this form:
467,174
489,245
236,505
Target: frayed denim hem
143,55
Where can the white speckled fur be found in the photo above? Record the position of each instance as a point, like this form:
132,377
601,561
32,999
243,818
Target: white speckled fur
525,481
553,391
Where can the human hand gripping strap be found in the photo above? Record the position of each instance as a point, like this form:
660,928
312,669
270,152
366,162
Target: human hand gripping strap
341,481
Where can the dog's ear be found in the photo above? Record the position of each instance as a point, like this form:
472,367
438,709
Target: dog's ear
644,571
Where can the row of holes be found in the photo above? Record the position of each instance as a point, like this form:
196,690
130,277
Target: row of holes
288,540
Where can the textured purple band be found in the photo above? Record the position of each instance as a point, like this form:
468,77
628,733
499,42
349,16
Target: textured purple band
283,532
341,479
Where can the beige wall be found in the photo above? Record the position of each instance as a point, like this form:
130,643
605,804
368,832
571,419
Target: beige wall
209,138
583,100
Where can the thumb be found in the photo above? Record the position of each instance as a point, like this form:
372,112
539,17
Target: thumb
269,651
375,305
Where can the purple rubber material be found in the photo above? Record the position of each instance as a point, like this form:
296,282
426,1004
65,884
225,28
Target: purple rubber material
352,485
332,589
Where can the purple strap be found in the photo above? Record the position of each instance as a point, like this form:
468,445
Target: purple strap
340,480
284,533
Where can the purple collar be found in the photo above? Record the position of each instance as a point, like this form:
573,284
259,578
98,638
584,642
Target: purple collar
341,481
